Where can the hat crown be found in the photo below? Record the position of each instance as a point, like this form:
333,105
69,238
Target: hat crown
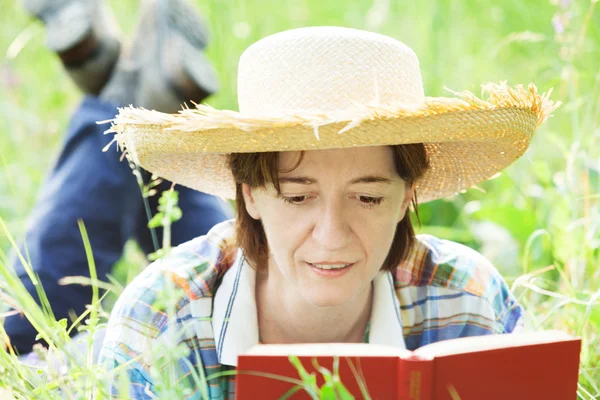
325,69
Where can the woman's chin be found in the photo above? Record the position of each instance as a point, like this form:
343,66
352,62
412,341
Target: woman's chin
328,298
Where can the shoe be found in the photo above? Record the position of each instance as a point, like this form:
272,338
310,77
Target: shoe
165,65
84,34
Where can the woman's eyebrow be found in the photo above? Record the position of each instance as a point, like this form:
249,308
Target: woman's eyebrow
304,180
371,179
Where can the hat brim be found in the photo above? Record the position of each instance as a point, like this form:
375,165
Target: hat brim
468,140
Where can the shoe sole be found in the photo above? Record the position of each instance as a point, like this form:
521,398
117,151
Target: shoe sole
202,77
67,25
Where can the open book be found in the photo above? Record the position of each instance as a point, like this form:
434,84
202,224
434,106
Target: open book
537,365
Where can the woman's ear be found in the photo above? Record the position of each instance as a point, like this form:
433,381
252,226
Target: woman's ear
408,197
249,201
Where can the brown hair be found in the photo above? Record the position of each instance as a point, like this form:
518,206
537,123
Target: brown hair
260,169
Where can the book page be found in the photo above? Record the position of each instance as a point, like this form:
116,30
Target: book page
490,342
328,349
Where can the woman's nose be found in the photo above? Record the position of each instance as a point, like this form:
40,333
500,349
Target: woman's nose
331,230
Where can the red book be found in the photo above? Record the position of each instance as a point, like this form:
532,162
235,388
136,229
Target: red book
523,366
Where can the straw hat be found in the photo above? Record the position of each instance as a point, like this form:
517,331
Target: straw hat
331,87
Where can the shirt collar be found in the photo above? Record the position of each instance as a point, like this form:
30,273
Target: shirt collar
235,318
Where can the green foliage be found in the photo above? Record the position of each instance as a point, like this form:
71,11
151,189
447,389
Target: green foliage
168,212
332,389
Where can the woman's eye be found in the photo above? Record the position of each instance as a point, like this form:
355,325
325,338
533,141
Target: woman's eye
370,201
294,199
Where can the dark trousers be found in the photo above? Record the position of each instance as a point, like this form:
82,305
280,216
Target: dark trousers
96,187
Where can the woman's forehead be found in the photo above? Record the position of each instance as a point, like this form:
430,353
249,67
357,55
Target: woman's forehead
374,159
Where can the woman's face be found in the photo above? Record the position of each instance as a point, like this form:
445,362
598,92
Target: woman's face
330,229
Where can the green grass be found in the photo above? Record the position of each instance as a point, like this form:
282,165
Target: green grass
542,211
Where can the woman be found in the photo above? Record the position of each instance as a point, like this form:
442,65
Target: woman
333,142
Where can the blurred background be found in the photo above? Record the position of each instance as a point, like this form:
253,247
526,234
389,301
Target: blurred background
542,211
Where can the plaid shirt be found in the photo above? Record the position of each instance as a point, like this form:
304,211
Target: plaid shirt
443,291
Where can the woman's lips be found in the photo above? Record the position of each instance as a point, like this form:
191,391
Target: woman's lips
331,270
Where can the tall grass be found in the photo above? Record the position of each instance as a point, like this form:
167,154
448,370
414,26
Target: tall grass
539,221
